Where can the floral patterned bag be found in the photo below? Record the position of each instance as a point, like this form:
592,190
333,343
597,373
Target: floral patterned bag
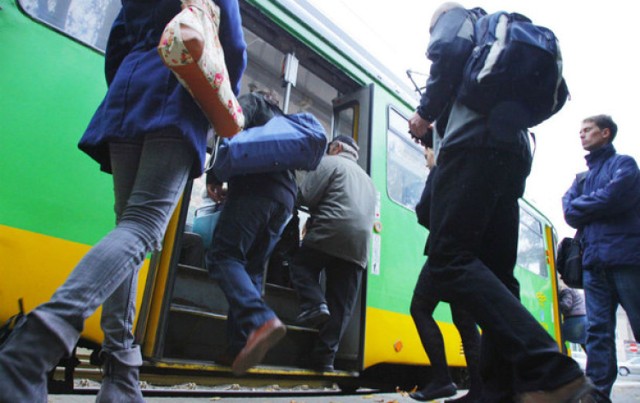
191,48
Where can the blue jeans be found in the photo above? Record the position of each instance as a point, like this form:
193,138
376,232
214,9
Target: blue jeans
149,178
604,289
243,240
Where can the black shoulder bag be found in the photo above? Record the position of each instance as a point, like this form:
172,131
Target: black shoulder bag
569,258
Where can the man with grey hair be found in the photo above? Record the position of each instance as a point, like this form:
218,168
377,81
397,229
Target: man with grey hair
483,164
341,198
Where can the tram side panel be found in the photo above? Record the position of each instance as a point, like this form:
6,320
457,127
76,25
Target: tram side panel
55,202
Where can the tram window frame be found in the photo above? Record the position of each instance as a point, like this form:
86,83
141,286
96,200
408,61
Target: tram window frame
82,21
345,117
404,184
531,246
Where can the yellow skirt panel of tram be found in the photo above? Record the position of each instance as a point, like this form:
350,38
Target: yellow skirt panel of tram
33,266
392,338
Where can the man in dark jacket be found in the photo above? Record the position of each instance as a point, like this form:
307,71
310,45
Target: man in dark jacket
607,212
256,209
483,163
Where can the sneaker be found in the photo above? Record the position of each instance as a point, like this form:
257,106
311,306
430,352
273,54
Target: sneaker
314,317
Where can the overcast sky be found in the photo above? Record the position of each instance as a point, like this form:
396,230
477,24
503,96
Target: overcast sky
600,66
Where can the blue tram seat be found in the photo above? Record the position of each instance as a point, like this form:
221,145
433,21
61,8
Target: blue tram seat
205,221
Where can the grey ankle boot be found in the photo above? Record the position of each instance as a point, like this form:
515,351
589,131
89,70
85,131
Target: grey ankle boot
30,352
120,378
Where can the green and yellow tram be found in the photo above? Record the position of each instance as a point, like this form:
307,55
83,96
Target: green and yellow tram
55,203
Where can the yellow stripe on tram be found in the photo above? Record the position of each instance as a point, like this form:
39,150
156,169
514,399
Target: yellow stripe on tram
392,338
33,266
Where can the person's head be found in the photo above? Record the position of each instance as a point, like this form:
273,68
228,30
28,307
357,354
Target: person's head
441,10
343,144
269,95
597,131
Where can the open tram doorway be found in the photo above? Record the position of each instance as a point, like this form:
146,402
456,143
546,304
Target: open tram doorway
191,321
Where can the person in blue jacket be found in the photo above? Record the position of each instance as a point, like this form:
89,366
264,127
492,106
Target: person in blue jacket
256,209
483,163
607,212
151,136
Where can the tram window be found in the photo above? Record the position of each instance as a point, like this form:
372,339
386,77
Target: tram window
406,170
345,122
311,93
531,252
88,21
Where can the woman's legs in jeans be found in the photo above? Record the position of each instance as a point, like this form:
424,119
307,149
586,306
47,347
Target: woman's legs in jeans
53,328
119,308
148,181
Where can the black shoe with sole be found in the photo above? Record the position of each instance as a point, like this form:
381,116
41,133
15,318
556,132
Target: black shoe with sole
314,317
431,392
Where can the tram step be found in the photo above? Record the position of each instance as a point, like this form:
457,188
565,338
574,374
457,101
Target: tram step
200,335
195,288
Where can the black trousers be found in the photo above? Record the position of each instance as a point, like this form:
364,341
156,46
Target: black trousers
423,304
343,280
472,254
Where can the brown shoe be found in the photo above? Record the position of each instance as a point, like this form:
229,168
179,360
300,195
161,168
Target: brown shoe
577,391
258,343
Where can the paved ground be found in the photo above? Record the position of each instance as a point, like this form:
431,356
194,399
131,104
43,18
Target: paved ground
626,390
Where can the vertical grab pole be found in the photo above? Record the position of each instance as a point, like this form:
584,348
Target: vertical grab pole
289,77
